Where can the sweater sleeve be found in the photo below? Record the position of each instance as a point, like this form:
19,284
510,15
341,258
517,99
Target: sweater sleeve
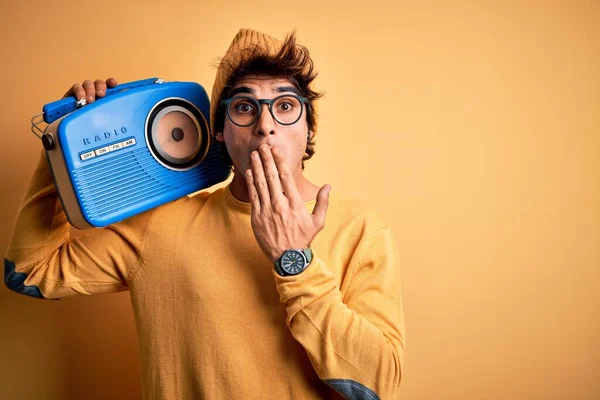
355,340
43,261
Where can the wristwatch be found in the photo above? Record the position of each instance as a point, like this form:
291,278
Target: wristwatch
293,261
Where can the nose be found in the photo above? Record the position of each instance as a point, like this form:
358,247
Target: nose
265,124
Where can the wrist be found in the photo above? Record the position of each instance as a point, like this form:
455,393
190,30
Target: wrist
293,261
276,255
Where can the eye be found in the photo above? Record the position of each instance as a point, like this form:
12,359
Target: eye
285,106
244,108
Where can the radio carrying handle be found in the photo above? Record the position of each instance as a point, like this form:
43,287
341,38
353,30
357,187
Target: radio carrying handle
59,108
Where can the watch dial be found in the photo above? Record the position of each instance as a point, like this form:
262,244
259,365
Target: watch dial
292,262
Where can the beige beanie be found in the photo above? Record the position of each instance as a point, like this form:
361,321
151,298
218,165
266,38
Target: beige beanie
245,40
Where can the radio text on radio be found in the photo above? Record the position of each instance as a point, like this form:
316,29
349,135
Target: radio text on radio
106,135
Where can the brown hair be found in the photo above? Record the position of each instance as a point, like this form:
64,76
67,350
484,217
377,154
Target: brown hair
292,62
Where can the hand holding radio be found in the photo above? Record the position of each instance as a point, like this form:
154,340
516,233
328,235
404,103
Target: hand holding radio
89,90
279,219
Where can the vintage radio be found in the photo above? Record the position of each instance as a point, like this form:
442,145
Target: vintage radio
144,144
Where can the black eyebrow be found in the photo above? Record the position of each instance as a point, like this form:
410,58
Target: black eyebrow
241,89
292,89
247,90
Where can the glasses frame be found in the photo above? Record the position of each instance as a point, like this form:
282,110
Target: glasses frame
259,103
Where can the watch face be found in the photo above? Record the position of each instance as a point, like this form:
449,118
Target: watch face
293,262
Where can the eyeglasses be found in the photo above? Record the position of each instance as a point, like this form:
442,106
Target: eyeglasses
244,111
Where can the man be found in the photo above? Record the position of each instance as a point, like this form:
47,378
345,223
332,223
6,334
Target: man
246,292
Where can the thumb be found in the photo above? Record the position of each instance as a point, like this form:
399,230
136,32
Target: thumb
320,209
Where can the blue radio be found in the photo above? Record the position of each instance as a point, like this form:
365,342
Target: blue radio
144,144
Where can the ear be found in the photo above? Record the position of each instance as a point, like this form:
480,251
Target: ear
219,137
310,135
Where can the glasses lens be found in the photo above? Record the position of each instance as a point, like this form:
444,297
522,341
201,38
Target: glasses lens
287,109
243,111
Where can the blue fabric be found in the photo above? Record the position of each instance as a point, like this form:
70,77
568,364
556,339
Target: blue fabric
15,281
352,390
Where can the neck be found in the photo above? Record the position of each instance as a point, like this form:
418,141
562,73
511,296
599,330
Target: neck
239,188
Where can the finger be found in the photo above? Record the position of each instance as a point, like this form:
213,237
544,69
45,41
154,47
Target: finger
286,178
252,193
111,82
77,91
320,209
100,87
260,181
90,91
271,173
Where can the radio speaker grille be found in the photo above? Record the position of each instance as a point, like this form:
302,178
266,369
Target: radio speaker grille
134,177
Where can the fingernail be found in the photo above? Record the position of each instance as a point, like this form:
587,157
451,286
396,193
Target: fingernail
100,92
254,155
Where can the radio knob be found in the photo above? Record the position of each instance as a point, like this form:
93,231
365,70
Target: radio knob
48,141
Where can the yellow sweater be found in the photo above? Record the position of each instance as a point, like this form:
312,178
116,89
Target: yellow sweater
214,320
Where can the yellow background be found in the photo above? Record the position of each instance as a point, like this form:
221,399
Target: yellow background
473,127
